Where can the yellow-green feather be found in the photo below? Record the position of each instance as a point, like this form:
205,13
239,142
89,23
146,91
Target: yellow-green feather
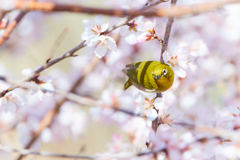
141,75
127,84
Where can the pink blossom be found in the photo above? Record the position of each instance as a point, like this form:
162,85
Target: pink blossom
178,61
93,29
44,83
170,115
146,104
104,43
131,31
11,101
93,37
147,27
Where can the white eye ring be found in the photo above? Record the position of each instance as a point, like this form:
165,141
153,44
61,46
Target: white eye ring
164,72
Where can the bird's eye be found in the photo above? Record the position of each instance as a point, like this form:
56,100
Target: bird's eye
164,72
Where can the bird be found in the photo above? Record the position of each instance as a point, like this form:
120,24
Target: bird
149,76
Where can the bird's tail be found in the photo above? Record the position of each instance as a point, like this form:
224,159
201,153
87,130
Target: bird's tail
127,84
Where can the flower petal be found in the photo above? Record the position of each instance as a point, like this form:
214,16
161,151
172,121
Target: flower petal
142,37
234,110
10,107
131,39
27,72
166,56
151,114
48,88
149,25
111,44
158,103
104,27
139,110
139,98
99,19
179,71
100,51
87,24
85,35
40,94
92,41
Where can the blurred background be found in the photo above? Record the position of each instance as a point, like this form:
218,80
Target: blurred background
212,83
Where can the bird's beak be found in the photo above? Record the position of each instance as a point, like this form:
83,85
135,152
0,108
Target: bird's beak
161,75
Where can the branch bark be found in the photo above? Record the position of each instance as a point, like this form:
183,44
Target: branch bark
174,11
167,32
10,28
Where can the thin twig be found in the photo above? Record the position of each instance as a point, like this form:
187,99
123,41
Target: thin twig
106,156
47,65
175,11
83,101
57,43
167,32
43,154
129,18
10,28
233,135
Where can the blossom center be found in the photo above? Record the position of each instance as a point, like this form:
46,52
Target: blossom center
96,29
173,61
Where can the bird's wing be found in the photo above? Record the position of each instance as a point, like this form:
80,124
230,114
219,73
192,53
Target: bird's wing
131,71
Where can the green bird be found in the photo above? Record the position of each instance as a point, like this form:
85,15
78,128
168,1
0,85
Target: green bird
149,76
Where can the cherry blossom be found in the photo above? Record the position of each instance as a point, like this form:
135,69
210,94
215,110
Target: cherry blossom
147,27
93,37
178,61
93,29
146,104
11,101
131,31
44,83
170,116
104,43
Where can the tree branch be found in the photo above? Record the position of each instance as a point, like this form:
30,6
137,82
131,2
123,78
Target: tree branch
43,154
11,27
175,11
167,32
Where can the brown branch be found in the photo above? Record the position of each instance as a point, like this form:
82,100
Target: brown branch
10,28
174,11
233,135
47,65
167,32
129,18
43,154
57,43
85,101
